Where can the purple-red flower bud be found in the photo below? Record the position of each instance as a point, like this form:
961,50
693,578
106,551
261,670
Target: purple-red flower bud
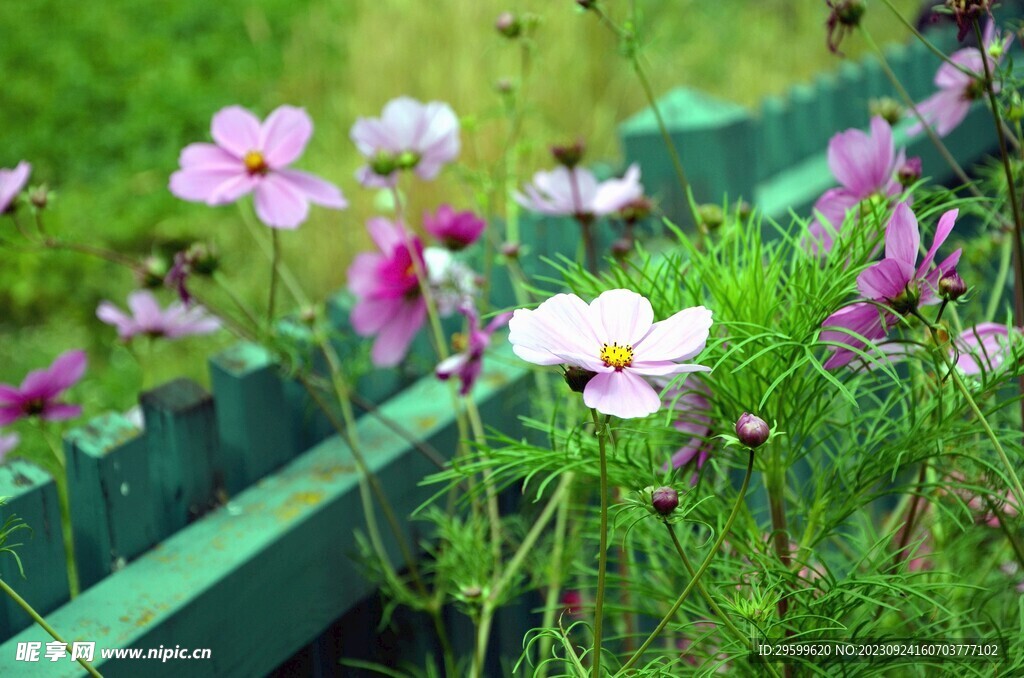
665,500
909,171
569,155
622,247
952,286
510,250
752,430
455,230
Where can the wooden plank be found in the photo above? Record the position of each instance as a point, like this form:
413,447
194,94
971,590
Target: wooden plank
181,438
258,581
32,496
111,496
773,153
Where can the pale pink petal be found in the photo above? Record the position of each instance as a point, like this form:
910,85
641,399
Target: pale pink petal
861,162
370,315
11,183
209,156
278,204
283,136
449,366
145,309
861,318
562,323
236,130
199,184
624,316
386,234
621,394
662,368
233,189
902,236
614,194
112,315
317,190
886,279
680,337
362,273
370,136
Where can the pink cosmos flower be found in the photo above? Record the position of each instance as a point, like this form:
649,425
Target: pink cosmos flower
616,338
693,419
250,157
388,300
455,230
468,363
865,165
408,135
576,192
983,348
7,443
37,396
895,281
948,107
11,183
148,319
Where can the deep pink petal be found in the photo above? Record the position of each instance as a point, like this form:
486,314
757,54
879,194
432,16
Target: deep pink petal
279,204
902,236
863,319
9,395
60,411
284,134
317,190
624,316
61,375
679,337
886,279
370,315
393,340
10,414
942,231
362,273
861,162
621,394
236,130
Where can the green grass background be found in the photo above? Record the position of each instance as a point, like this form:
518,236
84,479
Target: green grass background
101,97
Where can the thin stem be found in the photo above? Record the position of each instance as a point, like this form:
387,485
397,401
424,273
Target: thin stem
275,258
602,562
908,527
64,504
554,577
38,619
917,34
700,572
445,642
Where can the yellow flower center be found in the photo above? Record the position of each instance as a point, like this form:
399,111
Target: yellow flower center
617,356
255,163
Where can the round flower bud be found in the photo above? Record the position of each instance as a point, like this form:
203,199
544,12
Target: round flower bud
636,210
909,171
152,271
508,25
665,500
39,197
888,108
578,378
850,12
503,85
711,216
510,250
203,258
569,155
752,430
952,286
621,248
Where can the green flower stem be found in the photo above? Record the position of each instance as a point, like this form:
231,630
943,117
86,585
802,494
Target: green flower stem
554,577
60,478
602,562
38,619
275,259
700,572
917,34
285,273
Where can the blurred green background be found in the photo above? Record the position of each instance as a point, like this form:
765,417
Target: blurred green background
101,97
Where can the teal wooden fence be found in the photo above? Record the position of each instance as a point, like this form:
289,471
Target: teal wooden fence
226,521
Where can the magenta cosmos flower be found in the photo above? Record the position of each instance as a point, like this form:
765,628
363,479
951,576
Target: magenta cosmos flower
454,230
37,396
577,193
409,135
983,347
11,183
388,300
468,362
865,165
148,319
897,281
616,338
250,157
948,107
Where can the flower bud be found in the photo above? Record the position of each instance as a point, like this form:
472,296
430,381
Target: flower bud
752,430
622,247
203,258
577,378
906,301
888,108
952,286
743,210
383,164
636,210
510,250
711,216
665,500
909,171
39,197
508,25
849,12
152,271
569,155
503,85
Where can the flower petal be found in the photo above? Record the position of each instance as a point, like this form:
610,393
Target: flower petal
680,337
902,236
284,134
61,375
204,184
884,280
560,325
236,130
279,204
393,340
624,315
60,411
316,190
942,231
621,394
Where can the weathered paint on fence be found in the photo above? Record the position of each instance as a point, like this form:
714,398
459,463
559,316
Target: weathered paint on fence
256,579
